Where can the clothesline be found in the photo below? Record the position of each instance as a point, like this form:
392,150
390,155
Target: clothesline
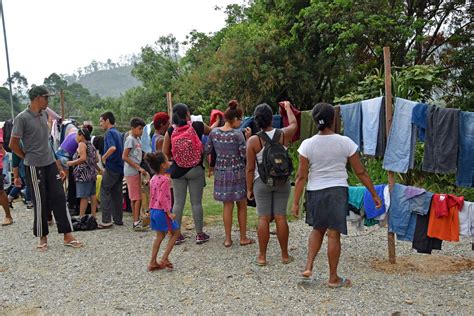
414,214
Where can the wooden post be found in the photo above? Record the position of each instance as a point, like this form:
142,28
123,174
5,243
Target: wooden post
169,102
337,126
61,94
388,112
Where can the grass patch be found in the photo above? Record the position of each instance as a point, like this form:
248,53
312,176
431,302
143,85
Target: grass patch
213,209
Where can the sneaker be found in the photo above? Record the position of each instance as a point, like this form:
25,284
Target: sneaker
138,227
201,238
180,240
29,205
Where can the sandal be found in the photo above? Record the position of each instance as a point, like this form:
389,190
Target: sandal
167,264
105,226
227,245
260,264
73,243
42,247
155,268
343,282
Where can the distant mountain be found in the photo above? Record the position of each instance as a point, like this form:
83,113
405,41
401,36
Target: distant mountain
108,82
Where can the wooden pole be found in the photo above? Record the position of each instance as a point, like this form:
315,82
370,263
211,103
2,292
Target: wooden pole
388,112
61,94
337,126
169,102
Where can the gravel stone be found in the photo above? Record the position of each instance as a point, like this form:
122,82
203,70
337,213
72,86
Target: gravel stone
109,276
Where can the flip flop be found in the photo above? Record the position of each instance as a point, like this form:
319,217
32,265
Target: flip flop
167,265
155,268
260,264
42,247
289,260
342,283
251,241
74,244
227,245
103,226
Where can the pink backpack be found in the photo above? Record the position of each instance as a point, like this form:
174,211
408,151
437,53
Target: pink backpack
186,147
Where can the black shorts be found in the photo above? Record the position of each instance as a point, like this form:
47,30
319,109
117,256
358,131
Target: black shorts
328,208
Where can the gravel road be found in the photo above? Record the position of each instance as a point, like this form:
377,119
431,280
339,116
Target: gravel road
108,276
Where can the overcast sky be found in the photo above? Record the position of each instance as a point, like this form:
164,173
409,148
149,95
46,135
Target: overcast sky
46,36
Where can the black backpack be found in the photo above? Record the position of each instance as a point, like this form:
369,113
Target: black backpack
276,166
7,134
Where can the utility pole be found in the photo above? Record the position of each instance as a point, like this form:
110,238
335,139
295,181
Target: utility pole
8,60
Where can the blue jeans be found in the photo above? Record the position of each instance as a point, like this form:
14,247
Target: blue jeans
400,152
352,119
465,175
420,113
370,124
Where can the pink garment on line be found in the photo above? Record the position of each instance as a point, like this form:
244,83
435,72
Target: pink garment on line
160,193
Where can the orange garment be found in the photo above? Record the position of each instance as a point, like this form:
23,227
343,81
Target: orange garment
446,227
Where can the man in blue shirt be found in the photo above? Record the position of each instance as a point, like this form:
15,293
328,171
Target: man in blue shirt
111,187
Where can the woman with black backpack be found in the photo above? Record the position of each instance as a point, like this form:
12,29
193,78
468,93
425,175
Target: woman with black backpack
268,170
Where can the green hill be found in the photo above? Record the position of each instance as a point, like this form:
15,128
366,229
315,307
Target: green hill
108,83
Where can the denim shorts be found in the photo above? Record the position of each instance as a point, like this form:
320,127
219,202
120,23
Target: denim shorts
85,189
400,151
328,208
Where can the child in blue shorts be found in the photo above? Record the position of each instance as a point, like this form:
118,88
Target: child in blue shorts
162,219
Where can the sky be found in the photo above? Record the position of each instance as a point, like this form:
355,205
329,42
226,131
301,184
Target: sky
46,36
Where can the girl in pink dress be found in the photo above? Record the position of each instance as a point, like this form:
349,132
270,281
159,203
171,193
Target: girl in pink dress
162,219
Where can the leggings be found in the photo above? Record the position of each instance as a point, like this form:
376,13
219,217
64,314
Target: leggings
195,180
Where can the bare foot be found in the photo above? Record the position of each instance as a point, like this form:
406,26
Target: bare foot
247,241
7,221
307,273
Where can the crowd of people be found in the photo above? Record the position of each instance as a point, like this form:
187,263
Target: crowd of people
246,168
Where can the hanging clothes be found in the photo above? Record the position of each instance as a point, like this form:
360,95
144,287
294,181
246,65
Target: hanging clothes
285,121
465,175
217,115
249,122
371,211
308,127
370,124
146,139
442,141
351,115
400,151
405,203
421,242
419,117
356,196
277,121
466,219
445,227
382,133
442,203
